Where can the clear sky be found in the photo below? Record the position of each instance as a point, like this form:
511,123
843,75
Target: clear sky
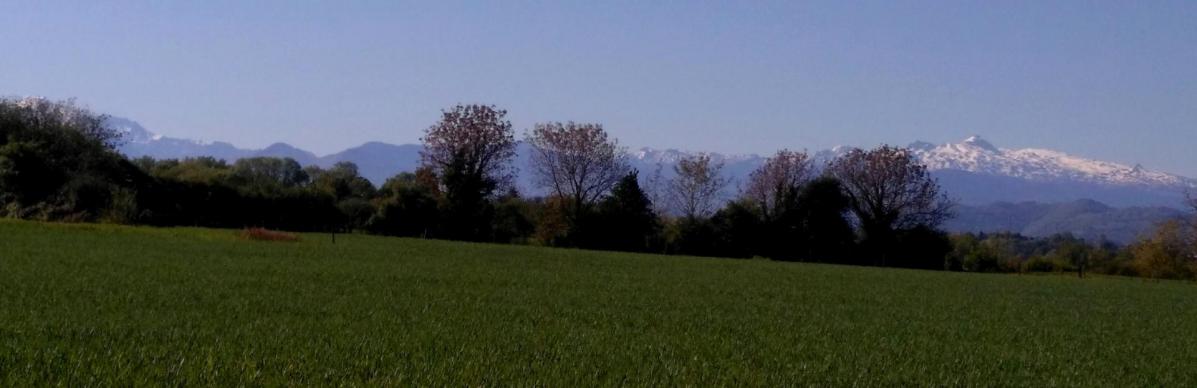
1110,80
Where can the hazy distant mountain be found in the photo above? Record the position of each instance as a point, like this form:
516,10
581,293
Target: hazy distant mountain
1087,219
284,150
974,172
378,161
140,142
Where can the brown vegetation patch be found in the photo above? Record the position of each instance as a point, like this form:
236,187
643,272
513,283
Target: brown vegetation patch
263,234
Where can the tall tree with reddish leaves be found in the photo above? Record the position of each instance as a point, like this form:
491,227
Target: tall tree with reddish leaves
889,190
780,178
470,150
577,162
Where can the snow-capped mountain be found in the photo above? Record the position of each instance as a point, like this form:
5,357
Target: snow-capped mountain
973,171
670,156
976,172
976,155
132,131
137,141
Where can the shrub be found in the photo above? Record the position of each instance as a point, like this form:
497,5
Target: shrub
552,227
1167,254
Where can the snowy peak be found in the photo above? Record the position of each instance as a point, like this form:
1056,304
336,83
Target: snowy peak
977,142
130,130
976,155
669,156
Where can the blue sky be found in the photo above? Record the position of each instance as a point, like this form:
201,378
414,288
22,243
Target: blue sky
1110,80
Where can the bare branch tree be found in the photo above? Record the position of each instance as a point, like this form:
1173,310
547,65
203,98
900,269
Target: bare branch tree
695,190
781,176
577,162
657,188
890,190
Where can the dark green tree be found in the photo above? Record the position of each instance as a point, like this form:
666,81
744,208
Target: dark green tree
58,161
738,229
407,208
513,219
341,181
626,220
263,175
27,174
350,191
826,234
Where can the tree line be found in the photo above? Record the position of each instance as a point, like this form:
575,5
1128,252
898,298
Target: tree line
876,207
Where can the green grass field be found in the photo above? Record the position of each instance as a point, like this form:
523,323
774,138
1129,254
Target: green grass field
108,305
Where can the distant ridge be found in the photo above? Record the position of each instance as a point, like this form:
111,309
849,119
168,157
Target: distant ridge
973,171
376,161
1083,218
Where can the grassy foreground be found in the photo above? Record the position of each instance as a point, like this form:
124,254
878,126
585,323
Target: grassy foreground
106,305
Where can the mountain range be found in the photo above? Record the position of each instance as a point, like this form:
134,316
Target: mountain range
1084,218
1033,191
